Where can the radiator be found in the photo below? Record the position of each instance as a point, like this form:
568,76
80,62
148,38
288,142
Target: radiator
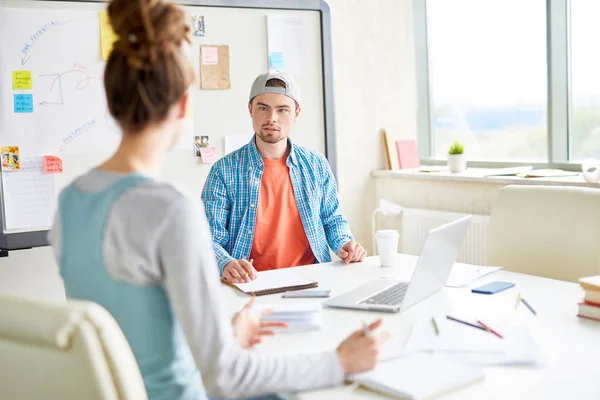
417,222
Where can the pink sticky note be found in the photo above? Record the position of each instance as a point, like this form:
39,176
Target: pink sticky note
407,153
208,154
52,165
210,55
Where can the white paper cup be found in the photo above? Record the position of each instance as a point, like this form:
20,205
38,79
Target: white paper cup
387,246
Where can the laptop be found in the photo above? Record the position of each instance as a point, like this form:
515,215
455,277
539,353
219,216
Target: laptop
431,273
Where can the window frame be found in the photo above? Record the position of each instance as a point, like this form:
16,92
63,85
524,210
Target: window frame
558,102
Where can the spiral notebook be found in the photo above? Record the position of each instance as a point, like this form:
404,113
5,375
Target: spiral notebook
274,281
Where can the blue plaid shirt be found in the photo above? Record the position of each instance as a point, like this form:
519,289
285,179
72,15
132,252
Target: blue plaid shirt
231,195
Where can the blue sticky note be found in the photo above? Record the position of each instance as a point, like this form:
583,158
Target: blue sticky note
23,103
276,60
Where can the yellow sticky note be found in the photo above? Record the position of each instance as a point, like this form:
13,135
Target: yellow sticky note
22,80
107,35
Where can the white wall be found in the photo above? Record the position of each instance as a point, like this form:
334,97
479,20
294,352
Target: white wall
375,87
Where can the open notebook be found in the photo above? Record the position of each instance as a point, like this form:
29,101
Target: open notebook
419,376
274,281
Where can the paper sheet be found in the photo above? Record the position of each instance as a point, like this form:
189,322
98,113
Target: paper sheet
234,142
52,165
419,376
22,80
23,103
208,155
475,346
464,274
214,75
29,196
286,43
107,35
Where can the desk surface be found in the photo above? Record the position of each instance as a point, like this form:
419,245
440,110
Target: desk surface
570,344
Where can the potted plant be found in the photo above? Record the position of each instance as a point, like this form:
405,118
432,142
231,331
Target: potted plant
457,161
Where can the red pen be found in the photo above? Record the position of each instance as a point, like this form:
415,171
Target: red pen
490,329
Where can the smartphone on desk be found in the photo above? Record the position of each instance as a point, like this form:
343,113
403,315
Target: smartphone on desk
307,293
493,287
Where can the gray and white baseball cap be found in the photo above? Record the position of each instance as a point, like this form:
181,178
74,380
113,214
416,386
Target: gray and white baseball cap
292,90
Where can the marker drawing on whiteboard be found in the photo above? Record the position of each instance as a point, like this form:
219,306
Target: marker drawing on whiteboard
77,132
33,39
82,84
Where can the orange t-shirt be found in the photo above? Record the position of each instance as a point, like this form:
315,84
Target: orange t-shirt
279,237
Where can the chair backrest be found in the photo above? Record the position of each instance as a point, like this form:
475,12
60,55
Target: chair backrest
72,350
549,231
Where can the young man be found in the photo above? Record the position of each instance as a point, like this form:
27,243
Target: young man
273,204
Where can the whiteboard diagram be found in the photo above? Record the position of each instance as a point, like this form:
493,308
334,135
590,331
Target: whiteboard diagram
62,109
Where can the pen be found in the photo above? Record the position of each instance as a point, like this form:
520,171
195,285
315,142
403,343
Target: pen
435,325
251,261
490,329
365,329
528,306
466,323
518,301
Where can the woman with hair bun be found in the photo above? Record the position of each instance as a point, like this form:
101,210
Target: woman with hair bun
141,248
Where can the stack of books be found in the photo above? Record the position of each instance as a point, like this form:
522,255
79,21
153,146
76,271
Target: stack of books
590,307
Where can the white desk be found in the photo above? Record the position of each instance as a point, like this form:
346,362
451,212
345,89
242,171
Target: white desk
571,345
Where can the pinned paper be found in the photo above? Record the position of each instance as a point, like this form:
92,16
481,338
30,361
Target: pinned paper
107,35
11,161
22,80
208,154
210,56
52,165
198,28
23,103
276,60
214,75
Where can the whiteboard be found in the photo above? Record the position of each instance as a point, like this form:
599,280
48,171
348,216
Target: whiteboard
70,119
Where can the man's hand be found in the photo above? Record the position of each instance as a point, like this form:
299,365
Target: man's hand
352,252
239,271
248,328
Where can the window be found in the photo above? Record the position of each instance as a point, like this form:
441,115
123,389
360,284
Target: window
488,77
584,133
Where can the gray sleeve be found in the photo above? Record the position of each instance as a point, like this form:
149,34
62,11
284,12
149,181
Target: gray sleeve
192,283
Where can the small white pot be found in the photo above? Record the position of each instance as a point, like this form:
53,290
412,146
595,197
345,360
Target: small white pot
457,162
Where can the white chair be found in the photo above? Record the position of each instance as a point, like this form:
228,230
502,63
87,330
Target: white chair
72,350
549,231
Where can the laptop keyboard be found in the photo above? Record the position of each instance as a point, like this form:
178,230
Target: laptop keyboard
391,296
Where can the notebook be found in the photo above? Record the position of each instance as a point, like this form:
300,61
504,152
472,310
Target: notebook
419,376
408,156
300,316
274,281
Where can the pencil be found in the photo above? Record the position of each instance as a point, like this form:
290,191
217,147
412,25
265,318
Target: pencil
251,261
466,323
435,325
528,306
490,329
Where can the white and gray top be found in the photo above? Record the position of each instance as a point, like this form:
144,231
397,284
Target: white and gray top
158,235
